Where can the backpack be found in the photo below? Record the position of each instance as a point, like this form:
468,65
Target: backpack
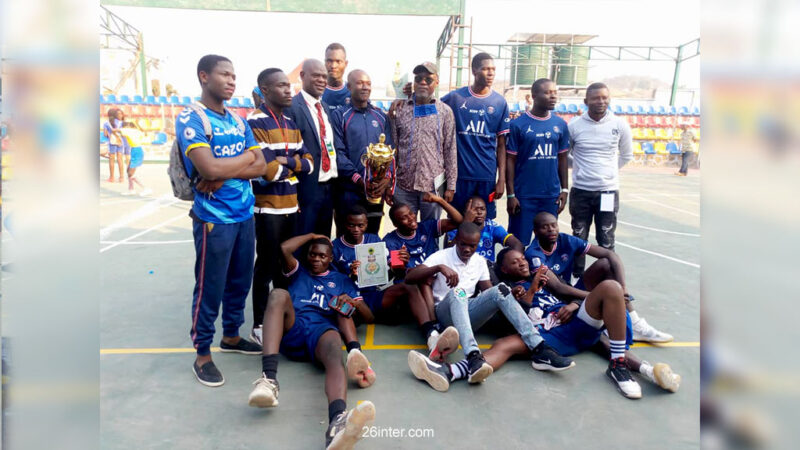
182,182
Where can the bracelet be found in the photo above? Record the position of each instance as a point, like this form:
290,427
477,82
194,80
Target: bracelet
510,195
564,190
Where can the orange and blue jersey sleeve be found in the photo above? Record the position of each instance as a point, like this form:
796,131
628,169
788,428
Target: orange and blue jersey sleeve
189,131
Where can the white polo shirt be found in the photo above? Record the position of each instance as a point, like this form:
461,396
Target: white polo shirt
469,274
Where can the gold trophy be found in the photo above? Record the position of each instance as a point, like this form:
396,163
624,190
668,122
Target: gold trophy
377,160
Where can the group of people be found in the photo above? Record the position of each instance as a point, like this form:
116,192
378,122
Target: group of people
269,189
125,141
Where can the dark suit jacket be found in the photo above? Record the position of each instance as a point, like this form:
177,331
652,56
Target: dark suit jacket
308,183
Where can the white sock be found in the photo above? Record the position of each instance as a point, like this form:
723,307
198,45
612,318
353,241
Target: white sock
634,316
459,370
617,348
647,370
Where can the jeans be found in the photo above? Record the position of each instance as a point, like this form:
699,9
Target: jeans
686,157
472,313
271,230
414,201
585,206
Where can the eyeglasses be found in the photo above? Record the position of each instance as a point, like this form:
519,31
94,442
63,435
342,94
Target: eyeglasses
428,79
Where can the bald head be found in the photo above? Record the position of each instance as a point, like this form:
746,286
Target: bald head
545,228
542,218
314,77
360,86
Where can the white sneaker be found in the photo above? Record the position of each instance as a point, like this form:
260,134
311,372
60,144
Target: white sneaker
441,345
347,429
146,192
619,374
358,369
256,335
665,378
265,394
643,331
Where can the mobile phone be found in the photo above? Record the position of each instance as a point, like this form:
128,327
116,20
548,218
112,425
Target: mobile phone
342,306
491,197
541,270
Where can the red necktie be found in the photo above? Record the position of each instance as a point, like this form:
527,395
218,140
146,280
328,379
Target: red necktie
326,161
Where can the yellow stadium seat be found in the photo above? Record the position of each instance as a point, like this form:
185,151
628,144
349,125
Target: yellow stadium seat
650,134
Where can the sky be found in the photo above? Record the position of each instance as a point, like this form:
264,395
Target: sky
255,41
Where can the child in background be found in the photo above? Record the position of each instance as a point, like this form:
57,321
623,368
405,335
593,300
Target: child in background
115,147
135,139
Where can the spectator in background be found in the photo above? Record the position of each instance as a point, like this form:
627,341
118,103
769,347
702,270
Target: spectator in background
601,144
687,149
423,129
115,146
136,139
336,93
257,100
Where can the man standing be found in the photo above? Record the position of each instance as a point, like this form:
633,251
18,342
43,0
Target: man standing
276,191
311,116
536,171
355,127
601,144
687,148
222,220
482,121
423,128
336,94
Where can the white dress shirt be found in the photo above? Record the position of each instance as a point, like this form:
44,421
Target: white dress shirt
311,103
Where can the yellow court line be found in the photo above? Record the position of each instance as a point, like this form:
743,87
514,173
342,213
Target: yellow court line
370,339
366,346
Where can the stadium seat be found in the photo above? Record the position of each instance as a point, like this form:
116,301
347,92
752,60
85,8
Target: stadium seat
150,99
629,110
669,121
156,124
197,99
247,102
103,100
572,108
174,100
637,133
186,100
638,154
684,111
651,110
640,110
138,99
696,111
661,110
561,108
672,111
144,124
235,102
103,138
661,152
161,99
124,99
617,109
514,107
111,98
649,121
649,133
160,139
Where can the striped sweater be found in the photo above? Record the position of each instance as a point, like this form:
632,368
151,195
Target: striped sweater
276,191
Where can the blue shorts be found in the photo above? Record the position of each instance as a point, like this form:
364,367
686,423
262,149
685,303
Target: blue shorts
126,149
114,149
466,189
137,157
521,225
300,342
576,336
373,300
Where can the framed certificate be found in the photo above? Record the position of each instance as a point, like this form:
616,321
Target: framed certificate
374,270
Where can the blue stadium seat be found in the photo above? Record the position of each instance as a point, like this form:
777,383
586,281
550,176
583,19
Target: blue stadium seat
151,99
582,107
647,148
103,138
572,108
672,111
651,110
138,99
640,110
174,100
235,102
103,100
661,110
617,109
514,107
197,99
111,98
124,99
247,102
161,99
684,111
161,138
629,110
672,148
561,108
186,100
696,111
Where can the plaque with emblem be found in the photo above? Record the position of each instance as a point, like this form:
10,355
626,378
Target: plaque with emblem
374,270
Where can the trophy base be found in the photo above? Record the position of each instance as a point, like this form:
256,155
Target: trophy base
374,201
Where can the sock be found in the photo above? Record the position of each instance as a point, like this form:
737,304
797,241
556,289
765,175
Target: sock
428,328
352,345
335,407
269,365
437,326
459,370
647,370
617,348
634,316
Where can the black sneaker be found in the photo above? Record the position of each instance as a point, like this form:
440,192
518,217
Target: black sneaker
347,428
208,374
478,369
621,376
243,346
544,357
436,375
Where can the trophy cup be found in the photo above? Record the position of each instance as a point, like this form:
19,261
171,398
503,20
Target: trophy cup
377,160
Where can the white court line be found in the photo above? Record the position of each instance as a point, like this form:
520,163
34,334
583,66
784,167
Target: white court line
187,241
139,213
660,255
658,229
167,222
668,206
118,202
672,196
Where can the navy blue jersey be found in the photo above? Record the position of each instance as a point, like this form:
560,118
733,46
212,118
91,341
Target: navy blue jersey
311,293
537,142
479,121
541,299
336,98
420,245
353,131
492,233
561,258
344,254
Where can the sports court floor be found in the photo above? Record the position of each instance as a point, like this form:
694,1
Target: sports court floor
150,398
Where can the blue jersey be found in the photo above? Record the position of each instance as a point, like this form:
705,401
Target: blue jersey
233,202
311,293
561,258
541,299
344,254
479,121
336,98
421,245
492,233
536,142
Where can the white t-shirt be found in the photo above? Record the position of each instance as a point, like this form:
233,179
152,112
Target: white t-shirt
469,274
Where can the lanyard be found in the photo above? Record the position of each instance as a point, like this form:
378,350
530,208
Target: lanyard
283,129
